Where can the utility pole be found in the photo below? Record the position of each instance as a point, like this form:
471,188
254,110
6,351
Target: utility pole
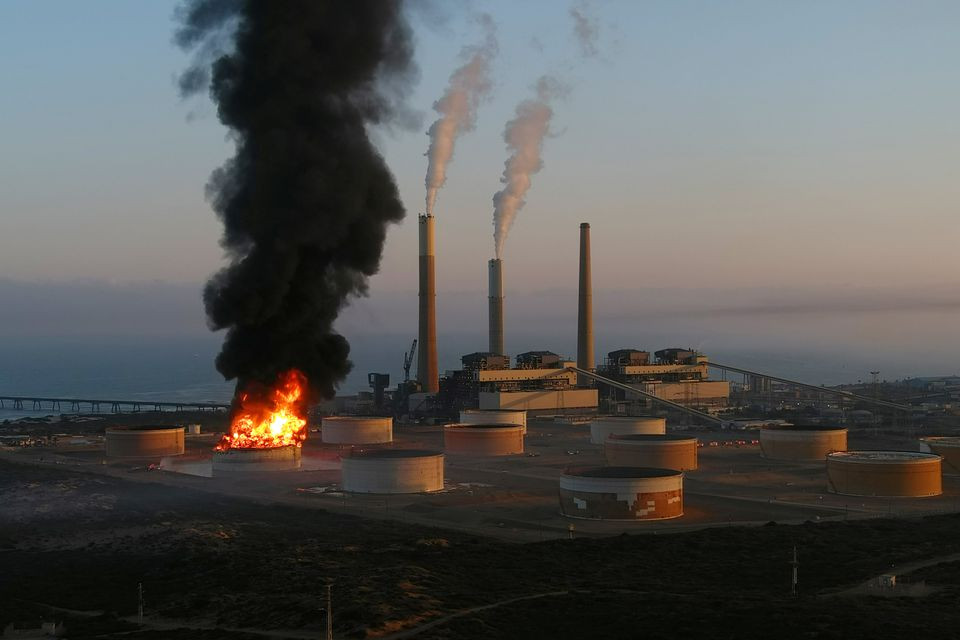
795,563
329,613
140,603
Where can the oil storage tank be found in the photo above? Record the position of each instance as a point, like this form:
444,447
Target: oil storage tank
356,430
494,416
144,442
393,471
621,493
801,443
664,451
884,473
946,447
251,460
483,439
602,427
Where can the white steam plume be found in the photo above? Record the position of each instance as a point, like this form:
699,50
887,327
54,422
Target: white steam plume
524,137
469,86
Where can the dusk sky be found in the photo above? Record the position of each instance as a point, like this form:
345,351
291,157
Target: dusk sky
737,155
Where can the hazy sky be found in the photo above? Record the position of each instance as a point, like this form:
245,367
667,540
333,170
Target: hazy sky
715,147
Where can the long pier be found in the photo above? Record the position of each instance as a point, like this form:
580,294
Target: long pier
76,405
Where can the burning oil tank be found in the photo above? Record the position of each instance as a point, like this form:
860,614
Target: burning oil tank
664,451
947,448
884,473
393,471
494,416
621,493
801,443
603,427
356,430
144,442
483,439
236,460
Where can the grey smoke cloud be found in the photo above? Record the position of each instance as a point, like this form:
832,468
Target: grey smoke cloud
585,28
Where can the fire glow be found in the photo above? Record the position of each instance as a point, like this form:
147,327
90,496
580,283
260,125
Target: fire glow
265,417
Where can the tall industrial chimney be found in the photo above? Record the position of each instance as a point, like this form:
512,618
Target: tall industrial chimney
585,306
496,306
427,374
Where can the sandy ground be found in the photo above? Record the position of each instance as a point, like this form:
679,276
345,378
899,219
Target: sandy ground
515,497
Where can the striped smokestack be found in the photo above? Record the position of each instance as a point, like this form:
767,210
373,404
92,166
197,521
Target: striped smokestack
496,306
585,306
427,374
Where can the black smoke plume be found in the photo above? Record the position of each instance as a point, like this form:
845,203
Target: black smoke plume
306,200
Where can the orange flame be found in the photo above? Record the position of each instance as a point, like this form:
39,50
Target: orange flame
266,417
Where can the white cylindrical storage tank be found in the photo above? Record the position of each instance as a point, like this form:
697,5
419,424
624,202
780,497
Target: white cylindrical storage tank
231,461
621,493
888,474
393,471
801,443
144,442
946,447
494,416
602,427
483,439
356,430
666,451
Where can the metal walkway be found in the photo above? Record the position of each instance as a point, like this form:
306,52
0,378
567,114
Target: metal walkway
668,403
836,392
116,406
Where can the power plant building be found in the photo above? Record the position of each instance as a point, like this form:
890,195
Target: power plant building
884,473
538,384
801,443
678,375
667,451
393,471
621,493
144,442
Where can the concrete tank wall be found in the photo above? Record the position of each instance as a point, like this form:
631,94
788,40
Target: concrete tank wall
621,493
801,443
947,448
494,416
884,473
356,430
393,471
230,461
483,439
658,451
144,442
603,427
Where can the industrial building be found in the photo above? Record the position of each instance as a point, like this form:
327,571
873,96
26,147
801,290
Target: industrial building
884,473
234,461
801,443
947,448
677,375
392,471
483,439
539,383
603,427
666,451
356,430
144,442
621,493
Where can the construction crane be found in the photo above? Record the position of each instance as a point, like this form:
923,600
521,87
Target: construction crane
408,360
